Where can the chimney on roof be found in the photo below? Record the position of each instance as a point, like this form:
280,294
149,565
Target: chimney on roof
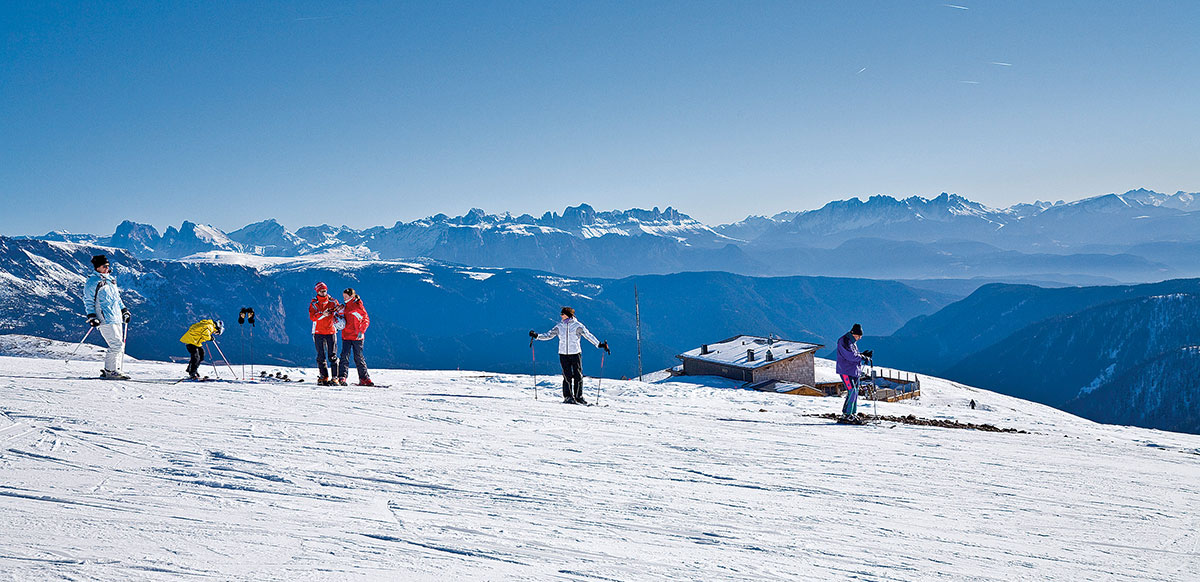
750,355
703,349
770,356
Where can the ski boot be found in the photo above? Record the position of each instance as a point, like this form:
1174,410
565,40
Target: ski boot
111,375
342,382
366,382
580,400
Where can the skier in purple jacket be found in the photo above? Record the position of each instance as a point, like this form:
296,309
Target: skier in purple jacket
849,367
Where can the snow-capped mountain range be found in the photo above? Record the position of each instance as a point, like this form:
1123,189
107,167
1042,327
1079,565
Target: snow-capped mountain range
1110,220
1136,236
404,239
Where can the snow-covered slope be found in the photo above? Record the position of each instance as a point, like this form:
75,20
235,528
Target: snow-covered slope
28,346
463,475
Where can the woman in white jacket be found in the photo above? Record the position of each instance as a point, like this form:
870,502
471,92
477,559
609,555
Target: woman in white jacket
105,310
569,331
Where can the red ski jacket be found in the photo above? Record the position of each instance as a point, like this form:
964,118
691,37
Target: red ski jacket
321,310
357,321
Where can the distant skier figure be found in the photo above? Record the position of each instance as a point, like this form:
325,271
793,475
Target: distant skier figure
357,322
200,332
322,310
569,331
849,367
105,310
972,404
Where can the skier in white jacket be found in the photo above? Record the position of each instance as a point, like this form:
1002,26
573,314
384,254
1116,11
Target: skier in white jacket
569,331
102,301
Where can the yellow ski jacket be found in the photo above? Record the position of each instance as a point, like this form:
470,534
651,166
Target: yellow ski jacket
199,333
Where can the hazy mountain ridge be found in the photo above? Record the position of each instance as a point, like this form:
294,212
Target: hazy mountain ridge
1138,216
1065,357
1092,350
1125,237
1160,392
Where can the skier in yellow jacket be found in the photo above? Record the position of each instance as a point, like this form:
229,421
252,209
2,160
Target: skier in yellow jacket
195,337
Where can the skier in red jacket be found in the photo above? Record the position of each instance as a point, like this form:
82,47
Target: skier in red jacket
322,310
357,322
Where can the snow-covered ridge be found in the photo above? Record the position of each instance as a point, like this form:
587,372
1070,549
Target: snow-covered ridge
416,238
465,475
1136,236
338,260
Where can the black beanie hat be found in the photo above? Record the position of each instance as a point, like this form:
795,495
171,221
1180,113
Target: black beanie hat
856,330
567,311
98,261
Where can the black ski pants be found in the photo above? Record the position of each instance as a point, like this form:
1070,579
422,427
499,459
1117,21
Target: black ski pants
197,358
572,365
354,347
326,349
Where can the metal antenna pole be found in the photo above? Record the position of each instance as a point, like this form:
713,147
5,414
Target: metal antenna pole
637,310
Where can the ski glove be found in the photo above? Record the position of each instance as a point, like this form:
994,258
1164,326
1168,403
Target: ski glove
93,320
125,316
604,346
532,334
868,354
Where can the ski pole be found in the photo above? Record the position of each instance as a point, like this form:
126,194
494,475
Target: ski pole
85,336
124,344
231,370
533,355
600,380
213,361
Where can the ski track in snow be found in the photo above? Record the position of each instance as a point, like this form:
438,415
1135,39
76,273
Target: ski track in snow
463,475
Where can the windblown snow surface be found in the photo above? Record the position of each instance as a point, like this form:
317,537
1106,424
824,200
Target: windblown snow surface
465,476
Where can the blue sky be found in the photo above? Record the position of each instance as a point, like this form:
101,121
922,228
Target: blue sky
365,113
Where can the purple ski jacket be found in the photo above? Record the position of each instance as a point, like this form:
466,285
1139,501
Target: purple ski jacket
849,361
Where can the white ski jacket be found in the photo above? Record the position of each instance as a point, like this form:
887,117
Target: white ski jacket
568,333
